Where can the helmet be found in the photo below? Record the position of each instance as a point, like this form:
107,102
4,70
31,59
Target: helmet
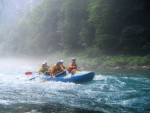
58,62
45,62
73,59
61,61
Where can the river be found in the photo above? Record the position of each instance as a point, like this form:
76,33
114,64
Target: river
112,92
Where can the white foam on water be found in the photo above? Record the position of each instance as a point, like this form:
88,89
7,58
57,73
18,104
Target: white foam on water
15,87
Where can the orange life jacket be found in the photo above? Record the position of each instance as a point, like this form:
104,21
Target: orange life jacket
56,69
72,66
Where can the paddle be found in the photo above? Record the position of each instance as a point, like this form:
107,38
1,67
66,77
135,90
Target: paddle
59,74
33,78
28,73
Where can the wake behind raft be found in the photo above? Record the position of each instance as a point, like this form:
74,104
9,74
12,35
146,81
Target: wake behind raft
78,77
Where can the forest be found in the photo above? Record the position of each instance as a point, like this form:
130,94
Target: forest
93,27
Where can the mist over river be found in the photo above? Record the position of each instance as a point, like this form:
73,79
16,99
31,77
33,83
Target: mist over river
122,92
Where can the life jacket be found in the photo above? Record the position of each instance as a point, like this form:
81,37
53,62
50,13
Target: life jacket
56,69
43,69
72,66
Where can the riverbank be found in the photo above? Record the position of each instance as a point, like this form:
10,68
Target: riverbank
99,62
104,62
115,63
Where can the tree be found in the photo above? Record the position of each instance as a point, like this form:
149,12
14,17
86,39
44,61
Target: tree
74,18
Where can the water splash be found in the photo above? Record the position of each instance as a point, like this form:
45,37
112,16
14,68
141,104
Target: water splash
106,93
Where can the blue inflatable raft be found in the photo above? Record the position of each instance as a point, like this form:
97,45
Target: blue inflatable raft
78,77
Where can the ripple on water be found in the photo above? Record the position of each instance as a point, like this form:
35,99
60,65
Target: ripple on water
105,93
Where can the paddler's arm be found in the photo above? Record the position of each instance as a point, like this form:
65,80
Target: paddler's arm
62,68
52,71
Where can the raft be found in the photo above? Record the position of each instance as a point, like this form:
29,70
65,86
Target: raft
78,77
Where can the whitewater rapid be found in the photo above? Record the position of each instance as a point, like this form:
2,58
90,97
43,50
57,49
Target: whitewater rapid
110,93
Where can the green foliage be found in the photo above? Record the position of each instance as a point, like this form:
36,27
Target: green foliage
140,60
74,16
92,52
114,61
132,34
94,26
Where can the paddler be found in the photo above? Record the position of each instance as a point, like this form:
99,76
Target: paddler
58,69
45,62
72,66
44,69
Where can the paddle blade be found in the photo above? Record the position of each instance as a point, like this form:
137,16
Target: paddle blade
33,78
28,73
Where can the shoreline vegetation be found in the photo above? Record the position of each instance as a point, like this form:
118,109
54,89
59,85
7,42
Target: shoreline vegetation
115,63
105,62
94,62
92,26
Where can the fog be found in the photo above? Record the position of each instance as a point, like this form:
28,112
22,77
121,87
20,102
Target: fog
14,10
19,61
27,61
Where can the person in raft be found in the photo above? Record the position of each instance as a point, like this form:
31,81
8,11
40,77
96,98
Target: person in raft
62,64
58,69
44,69
46,64
73,66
